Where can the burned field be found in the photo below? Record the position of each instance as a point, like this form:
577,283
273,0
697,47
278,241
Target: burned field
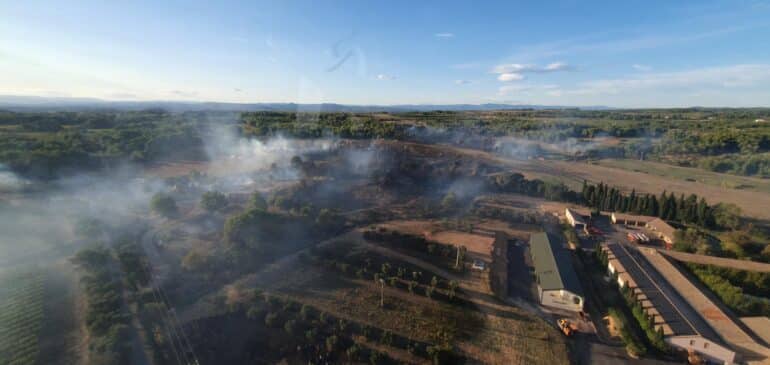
348,249
357,262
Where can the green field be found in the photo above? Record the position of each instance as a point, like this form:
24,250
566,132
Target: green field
690,174
21,315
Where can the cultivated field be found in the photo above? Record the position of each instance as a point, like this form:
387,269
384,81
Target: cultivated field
21,316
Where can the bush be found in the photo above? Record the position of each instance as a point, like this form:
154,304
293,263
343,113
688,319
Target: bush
255,313
213,201
164,205
331,343
353,352
271,319
290,326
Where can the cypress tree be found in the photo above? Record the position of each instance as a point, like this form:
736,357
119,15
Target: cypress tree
663,205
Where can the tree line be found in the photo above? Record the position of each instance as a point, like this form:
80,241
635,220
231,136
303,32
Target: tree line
692,209
689,209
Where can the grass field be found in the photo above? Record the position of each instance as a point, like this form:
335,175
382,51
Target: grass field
690,174
21,316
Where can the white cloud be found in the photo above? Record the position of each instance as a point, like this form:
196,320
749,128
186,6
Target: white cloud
556,66
510,77
639,67
725,77
463,82
444,35
530,68
384,77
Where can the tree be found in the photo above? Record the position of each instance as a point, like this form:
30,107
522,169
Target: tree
353,351
290,326
296,162
257,201
331,343
328,220
195,259
449,202
213,201
727,215
412,284
271,319
164,205
452,288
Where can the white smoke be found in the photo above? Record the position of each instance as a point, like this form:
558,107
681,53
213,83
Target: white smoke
9,181
248,154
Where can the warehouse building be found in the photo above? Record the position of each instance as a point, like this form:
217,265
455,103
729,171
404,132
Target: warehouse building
682,326
557,283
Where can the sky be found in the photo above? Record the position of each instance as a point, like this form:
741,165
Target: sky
576,53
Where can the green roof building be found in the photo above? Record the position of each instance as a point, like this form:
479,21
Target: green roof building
557,284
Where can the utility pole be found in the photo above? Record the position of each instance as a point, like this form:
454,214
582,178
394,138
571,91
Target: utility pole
382,293
457,260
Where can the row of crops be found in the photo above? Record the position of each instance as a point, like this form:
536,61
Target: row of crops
21,316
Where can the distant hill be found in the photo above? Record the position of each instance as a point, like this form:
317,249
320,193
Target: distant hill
37,103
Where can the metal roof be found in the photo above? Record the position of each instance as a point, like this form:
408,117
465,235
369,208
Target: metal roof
674,310
661,226
553,266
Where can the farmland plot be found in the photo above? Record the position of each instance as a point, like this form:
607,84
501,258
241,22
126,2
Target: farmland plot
21,315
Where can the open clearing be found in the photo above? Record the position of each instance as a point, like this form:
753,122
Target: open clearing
685,173
571,173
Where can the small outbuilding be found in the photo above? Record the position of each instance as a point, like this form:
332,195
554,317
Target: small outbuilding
630,219
663,230
574,218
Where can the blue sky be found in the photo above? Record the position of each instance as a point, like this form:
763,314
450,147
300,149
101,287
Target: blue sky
614,53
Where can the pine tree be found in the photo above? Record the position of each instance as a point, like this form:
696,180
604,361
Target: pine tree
652,209
663,205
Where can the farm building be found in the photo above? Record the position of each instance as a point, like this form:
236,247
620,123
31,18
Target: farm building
682,325
574,218
662,229
557,283
630,219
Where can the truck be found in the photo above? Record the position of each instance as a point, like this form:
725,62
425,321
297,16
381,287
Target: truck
566,327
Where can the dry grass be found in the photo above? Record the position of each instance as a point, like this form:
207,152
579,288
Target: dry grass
486,332
478,246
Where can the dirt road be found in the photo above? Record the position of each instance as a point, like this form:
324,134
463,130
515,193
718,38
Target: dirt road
717,261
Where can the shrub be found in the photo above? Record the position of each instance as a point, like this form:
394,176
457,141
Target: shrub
353,352
331,343
271,319
304,312
376,358
164,205
255,312
290,326
213,201
386,338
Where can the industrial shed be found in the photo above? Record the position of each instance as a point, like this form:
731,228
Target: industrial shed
662,229
682,326
557,283
631,220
